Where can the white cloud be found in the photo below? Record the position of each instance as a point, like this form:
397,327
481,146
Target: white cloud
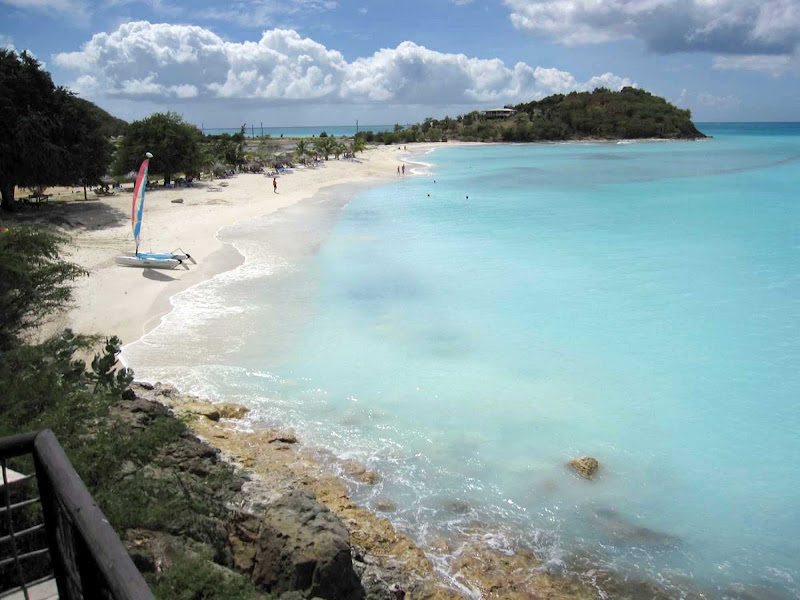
180,61
712,101
264,13
723,27
774,65
7,42
73,8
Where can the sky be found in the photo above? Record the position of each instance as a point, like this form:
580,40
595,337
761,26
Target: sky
332,62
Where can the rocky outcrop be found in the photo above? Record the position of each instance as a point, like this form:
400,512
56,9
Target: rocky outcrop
229,410
585,466
297,544
278,535
197,408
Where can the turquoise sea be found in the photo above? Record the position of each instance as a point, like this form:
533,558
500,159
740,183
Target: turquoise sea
469,330
258,130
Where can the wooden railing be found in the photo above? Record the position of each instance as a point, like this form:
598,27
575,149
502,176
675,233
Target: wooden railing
50,513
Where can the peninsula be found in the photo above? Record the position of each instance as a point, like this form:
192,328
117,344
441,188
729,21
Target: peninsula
628,114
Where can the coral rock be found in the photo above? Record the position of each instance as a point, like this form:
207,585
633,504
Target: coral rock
585,466
229,410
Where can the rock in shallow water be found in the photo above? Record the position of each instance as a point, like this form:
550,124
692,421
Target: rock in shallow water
199,408
585,466
229,410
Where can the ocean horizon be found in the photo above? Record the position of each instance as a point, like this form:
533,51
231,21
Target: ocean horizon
467,331
301,131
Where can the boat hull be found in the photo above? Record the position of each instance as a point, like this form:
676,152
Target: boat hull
144,261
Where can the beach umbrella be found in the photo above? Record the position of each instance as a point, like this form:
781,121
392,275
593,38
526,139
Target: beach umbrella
108,179
218,166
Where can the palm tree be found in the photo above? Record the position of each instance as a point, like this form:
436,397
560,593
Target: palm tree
339,149
357,144
325,146
301,150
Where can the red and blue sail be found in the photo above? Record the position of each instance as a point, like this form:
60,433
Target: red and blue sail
137,208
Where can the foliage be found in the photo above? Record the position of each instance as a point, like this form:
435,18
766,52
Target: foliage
358,144
87,151
131,464
34,280
325,146
47,135
301,150
226,148
46,387
110,126
175,146
602,114
197,579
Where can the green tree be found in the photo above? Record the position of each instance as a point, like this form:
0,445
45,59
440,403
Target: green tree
175,146
42,128
34,280
324,146
357,144
87,149
301,150
227,148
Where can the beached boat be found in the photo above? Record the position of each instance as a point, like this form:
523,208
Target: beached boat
148,260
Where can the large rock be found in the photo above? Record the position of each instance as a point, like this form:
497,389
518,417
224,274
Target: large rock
199,408
585,466
298,545
229,410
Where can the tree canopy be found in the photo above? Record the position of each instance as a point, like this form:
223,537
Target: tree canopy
47,135
175,146
630,113
226,148
110,126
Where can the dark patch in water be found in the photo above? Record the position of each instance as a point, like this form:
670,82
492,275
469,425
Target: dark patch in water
620,529
458,507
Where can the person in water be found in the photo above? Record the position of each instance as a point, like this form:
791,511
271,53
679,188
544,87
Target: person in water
274,185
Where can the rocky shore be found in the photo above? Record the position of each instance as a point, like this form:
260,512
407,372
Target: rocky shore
292,529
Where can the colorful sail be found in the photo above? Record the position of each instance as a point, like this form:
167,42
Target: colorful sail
137,209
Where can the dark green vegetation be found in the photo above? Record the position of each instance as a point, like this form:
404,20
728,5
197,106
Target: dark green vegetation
110,126
47,135
174,144
151,478
602,114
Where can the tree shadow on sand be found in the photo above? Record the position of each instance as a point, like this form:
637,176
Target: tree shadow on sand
71,216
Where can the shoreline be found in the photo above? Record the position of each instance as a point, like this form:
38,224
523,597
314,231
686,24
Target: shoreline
130,302
477,571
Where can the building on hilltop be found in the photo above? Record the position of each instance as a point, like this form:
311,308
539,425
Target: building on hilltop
498,113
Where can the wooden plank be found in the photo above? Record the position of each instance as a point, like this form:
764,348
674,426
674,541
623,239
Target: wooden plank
112,561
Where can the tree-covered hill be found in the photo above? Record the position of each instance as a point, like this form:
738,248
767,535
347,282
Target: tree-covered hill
630,113
110,126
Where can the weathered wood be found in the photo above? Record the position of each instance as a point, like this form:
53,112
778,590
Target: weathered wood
98,538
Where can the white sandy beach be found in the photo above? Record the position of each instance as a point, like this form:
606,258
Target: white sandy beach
128,302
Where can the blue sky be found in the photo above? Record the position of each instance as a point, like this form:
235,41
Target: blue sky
317,62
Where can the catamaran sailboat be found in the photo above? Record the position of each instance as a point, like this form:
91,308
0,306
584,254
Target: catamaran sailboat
148,260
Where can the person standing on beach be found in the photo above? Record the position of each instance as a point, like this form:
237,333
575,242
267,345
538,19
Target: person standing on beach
275,185
404,169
